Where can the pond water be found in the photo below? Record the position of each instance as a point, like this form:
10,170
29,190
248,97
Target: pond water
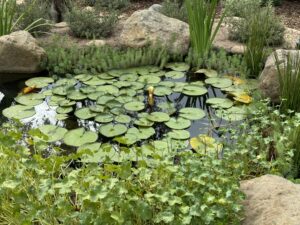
118,104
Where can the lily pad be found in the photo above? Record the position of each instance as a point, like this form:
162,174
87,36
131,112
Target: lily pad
167,107
109,89
102,100
97,108
32,99
148,79
104,118
162,91
193,90
61,117
205,144
96,153
95,95
219,82
66,103
123,119
83,77
232,114
85,113
192,113
134,106
54,133
158,117
175,74
76,95
178,123
143,122
39,82
223,103
64,110
177,66
95,81
18,112
179,134
142,133
80,136
208,72
111,130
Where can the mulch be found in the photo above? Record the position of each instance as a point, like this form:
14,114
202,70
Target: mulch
289,12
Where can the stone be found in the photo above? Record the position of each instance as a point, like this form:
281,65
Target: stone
271,200
20,2
291,38
20,54
1,96
97,43
61,28
148,26
268,80
155,7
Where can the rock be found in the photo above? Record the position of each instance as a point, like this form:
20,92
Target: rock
155,7
271,200
148,26
20,2
291,37
97,43
61,28
1,96
268,80
20,54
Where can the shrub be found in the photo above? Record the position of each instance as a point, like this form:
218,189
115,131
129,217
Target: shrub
201,17
174,9
295,140
241,29
47,190
89,24
112,4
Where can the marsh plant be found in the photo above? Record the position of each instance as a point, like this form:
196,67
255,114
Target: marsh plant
289,81
201,18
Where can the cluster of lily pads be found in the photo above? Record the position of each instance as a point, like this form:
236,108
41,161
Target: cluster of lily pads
119,103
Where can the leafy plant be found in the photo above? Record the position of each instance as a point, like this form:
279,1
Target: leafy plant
289,81
295,140
88,23
201,17
174,9
112,4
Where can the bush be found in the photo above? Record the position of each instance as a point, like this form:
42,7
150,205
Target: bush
112,4
40,190
89,24
248,11
174,9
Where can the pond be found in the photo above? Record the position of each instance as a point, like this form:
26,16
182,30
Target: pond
125,114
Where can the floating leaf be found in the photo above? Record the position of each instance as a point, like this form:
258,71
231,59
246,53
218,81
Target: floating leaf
18,112
95,95
111,130
148,79
158,117
64,110
85,113
142,133
76,95
175,74
83,77
129,77
167,107
243,98
61,116
143,122
80,136
54,133
104,118
60,90
96,153
66,103
223,103
167,83
205,144
32,99
39,82
178,123
95,81
97,108
179,134
123,119
179,86
134,106
208,72
109,89
193,90
219,82
178,66
232,114
162,91
102,100
192,113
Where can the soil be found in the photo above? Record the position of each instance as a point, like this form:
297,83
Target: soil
289,11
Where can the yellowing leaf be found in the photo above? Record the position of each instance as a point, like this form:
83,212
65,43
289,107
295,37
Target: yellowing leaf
204,144
243,98
236,80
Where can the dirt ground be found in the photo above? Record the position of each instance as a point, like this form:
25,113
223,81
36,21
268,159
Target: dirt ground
289,11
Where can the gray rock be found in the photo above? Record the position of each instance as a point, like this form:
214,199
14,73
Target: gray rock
155,7
148,26
268,80
271,200
20,54
1,96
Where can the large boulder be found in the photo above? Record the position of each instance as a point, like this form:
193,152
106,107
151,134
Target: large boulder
20,54
269,80
271,200
149,26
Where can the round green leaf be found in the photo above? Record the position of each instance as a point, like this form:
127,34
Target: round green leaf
18,112
148,79
111,130
123,119
219,82
134,106
178,66
158,117
208,72
54,133
193,90
80,136
143,122
104,118
178,123
39,82
162,91
64,110
85,113
223,103
32,99
175,74
179,134
192,113
76,95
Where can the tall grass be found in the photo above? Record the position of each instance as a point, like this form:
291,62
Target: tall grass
296,158
201,17
8,20
289,81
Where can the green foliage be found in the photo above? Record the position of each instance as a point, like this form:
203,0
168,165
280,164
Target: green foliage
7,14
289,80
89,24
98,59
201,17
241,29
263,142
32,11
47,190
295,140
174,9
112,4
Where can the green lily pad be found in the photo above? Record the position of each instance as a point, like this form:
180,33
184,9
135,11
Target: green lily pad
134,106
205,144
123,119
137,85
66,82
192,113
143,133
105,76
60,90
18,112
162,91
54,133
143,122
178,123
122,84
167,83
104,118
80,136
95,81
175,74
167,107
61,117
85,113
39,82
219,82
128,92
55,99
76,95
177,66
232,114
109,89
148,79
95,95
88,90
102,100
223,103
111,130
179,134
127,139
83,77
66,103
208,72
97,108
193,90
124,99
158,117
118,111
32,99
64,110
96,154
129,77
179,86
